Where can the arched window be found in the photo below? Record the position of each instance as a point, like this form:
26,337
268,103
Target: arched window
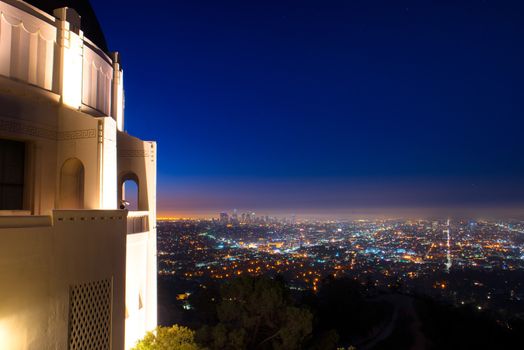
130,193
71,185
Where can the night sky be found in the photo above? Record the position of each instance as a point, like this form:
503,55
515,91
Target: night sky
327,107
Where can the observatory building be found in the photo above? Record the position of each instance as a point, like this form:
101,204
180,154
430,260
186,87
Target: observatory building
77,267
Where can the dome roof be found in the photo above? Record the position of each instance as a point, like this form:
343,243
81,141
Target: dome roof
89,22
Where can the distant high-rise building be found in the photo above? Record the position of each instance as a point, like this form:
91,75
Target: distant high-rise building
234,216
224,218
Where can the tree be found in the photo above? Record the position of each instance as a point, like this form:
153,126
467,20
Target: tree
168,338
257,313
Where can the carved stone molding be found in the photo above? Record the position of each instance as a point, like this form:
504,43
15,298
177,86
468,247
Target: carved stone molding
17,127
76,134
133,153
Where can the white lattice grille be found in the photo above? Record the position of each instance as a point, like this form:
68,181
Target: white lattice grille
90,316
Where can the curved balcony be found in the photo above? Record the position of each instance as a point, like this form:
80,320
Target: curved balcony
48,52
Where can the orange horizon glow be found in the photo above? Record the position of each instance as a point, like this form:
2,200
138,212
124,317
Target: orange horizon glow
354,214
185,216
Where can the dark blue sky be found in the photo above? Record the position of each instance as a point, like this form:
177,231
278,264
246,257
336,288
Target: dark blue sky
326,106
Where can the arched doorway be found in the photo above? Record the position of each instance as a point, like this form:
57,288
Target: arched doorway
71,185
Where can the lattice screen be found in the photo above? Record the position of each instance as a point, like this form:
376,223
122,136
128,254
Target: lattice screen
90,316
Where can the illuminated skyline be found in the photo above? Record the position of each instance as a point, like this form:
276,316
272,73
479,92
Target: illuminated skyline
311,107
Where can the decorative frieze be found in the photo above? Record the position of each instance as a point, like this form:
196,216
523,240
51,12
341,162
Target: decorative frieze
133,153
16,127
76,134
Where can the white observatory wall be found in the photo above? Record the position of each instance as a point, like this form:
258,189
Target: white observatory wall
27,47
108,180
41,258
136,280
97,81
65,98
152,266
139,158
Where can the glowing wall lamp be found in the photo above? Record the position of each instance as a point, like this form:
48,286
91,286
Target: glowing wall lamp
10,336
4,336
70,44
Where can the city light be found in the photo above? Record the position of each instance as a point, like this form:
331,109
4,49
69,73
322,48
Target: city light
445,259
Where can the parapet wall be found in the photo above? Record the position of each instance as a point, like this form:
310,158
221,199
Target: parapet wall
47,52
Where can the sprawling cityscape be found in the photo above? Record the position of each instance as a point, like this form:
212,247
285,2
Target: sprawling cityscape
463,262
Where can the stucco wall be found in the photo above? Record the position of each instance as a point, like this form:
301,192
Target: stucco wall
139,158
43,104
38,266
